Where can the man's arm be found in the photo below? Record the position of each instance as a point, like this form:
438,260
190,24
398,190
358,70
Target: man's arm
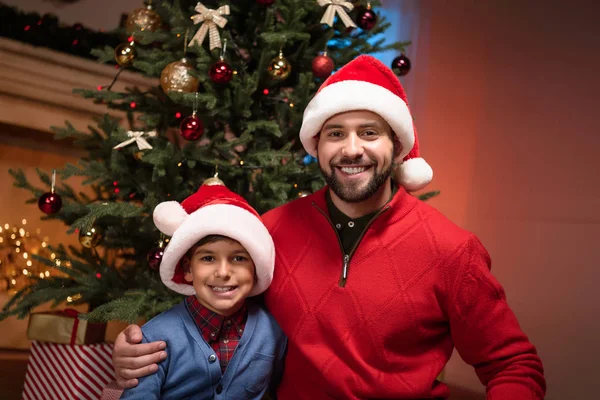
133,359
487,334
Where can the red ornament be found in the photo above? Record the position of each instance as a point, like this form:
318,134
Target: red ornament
366,19
322,65
191,127
50,203
220,72
154,258
265,3
401,65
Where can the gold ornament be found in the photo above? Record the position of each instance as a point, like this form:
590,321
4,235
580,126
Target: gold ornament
90,237
213,181
142,19
176,77
303,193
279,68
125,54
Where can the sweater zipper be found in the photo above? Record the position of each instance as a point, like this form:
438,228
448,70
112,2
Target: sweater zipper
348,257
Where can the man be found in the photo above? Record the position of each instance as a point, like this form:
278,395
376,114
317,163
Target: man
373,287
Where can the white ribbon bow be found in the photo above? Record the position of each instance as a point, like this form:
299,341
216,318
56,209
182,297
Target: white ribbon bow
338,6
138,138
209,19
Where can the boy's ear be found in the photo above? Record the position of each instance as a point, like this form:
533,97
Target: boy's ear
188,277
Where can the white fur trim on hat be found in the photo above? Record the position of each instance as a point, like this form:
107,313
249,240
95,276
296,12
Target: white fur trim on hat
168,217
353,95
227,220
414,174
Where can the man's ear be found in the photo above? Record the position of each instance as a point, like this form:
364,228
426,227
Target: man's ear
397,145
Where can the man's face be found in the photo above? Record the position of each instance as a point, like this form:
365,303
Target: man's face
355,151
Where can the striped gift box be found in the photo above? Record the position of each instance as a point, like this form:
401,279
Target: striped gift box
68,372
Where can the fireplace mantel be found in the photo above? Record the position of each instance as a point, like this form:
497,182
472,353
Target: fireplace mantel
36,87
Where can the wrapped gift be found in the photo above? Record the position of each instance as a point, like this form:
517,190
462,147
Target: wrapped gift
64,327
112,391
68,372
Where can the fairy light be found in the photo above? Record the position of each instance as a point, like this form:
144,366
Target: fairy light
13,281
47,273
24,221
25,272
6,226
25,255
18,250
44,244
13,236
42,275
69,299
53,256
18,243
29,263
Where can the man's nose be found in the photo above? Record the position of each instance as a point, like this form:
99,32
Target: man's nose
353,146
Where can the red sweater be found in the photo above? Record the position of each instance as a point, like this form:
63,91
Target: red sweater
417,285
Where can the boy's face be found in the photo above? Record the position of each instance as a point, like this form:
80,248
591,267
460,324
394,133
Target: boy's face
222,273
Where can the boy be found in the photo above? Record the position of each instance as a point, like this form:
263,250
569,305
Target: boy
220,345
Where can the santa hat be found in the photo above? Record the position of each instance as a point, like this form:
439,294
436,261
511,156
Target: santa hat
212,210
366,84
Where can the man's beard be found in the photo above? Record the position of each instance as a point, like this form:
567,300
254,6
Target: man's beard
350,192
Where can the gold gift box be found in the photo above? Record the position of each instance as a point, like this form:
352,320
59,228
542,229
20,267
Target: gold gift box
64,327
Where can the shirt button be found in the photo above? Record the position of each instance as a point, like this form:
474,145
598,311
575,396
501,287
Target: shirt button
240,330
212,358
339,226
351,224
213,334
219,388
225,341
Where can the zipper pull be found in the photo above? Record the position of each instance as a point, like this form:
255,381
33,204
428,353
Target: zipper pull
345,270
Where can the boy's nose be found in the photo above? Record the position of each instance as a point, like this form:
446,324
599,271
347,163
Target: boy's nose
223,270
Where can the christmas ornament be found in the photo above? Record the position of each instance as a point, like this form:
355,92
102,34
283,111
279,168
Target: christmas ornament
125,54
302,193
322,65
308,159
366,18
339,7
155,256
191,127
176,77
401,65
137,137
210,20
142,19
279,68
50,203
220,72
214,181
90,237
265,3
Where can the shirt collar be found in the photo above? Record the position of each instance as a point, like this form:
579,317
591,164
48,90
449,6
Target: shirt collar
211,324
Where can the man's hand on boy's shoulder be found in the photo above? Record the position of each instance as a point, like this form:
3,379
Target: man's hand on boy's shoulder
133,359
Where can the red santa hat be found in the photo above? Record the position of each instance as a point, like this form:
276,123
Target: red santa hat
212,210
366,84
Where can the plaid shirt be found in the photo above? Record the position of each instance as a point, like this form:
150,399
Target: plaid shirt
220,332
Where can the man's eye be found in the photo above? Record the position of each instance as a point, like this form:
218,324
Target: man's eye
335,134
369,133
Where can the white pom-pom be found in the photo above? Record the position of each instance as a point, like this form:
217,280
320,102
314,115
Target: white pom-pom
414,174
168,217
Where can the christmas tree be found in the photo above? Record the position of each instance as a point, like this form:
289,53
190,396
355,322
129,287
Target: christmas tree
235,78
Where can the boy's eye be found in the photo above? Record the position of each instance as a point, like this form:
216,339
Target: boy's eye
240,258
207,259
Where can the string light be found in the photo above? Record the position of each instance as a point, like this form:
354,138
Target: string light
24,221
